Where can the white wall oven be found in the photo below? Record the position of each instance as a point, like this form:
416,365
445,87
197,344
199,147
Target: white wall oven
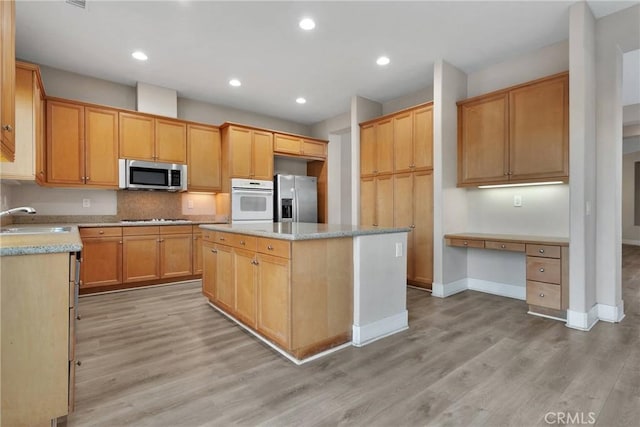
251,200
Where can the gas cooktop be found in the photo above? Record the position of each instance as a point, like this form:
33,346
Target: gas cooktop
157,220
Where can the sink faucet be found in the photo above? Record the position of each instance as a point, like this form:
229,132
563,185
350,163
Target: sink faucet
26,209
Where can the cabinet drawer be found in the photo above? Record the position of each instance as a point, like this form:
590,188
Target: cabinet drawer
140,231
242,241
544,294
543,269
504,246
463,243
279,248
545,251
175,229
208,235
101,232
72,334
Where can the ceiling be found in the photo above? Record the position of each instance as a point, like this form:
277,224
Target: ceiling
196,47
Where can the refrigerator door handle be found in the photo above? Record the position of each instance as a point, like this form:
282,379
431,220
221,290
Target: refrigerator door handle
295,205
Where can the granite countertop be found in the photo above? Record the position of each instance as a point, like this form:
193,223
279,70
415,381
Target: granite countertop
143,223
41,243
302,230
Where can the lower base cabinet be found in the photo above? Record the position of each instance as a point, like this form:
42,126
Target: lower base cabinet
298,295
38,312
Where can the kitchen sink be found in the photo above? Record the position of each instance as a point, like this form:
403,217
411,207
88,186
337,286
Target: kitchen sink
33,230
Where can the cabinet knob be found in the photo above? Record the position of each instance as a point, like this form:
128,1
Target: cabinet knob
541,251
412,166
375,225
8,128
120,242
542,270
242,242
270,247
101,232
503,246
412,226
222,239
79,362
510,173
466,243
78,317
255,262
215,251
506,174
541,295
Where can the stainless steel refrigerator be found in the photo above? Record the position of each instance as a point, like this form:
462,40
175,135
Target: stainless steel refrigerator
295,198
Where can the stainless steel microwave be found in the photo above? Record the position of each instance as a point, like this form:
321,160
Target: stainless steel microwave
142,175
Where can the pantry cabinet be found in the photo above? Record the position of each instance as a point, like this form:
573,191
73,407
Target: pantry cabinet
248,152
82,145
204,158
519,134
377,148
7,80
377,201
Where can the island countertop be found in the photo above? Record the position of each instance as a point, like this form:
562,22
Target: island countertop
40,243
302,230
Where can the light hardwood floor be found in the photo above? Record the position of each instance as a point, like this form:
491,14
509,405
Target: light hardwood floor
163,357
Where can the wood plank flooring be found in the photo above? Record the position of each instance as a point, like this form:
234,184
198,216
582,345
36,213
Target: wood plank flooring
163,357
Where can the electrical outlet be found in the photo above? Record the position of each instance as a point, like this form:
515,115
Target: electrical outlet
86,203
517,201
189,204
398,250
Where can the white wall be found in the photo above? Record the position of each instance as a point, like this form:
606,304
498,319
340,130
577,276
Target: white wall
346,206
64,201
337,124
630,231
6,196
409,100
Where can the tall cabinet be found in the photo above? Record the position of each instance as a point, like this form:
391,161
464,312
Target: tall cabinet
396,182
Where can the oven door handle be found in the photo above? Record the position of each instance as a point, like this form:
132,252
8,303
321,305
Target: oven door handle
252,191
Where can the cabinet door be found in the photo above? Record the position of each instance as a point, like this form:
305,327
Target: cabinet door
245,284
40,108
384,200
368,201
403,212
240,158
225,289
314,149
209,269
25,132
204,158
65,143
483,153
175,255
539,130
423,138
171,141
7,79
262,155
403,142
384,146
141,258
136,136
101,145
274,299
367,150
196,250
101,262
286,144
423,231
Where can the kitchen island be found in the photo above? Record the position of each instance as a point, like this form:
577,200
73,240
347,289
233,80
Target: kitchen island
306,289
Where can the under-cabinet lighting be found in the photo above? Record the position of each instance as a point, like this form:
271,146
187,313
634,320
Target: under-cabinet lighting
523,184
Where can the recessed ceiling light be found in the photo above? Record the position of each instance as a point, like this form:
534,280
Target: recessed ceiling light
383,60
307,24
139,55
235,82
301,100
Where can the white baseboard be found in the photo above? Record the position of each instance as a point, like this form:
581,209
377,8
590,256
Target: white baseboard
581,320
631,242
611,313
443,290
497,288
366,334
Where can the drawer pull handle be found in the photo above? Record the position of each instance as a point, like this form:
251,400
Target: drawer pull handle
215,251
242,242
100,232
466,243
79,362
541,251
503,246
542,270
222,238
270,247
541,295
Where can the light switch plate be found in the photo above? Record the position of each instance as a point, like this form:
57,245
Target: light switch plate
189,204
517,200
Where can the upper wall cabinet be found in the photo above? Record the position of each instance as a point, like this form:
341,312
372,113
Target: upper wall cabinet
376,147
82,145
204,158
248,152
144,137
291,145
520,134
7,80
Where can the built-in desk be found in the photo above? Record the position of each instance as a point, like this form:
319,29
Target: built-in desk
547,266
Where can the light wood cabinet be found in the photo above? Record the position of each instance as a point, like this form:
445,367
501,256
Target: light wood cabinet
196,250
176,244
29,121
204,158
519,134
7,80
209,269
155,139
82,145
224,278
140,254
548,279
245,278
273,299
101,256
290,145
249,152
404,196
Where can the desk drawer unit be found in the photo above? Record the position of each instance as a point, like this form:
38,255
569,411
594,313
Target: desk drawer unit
547,295
543,269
